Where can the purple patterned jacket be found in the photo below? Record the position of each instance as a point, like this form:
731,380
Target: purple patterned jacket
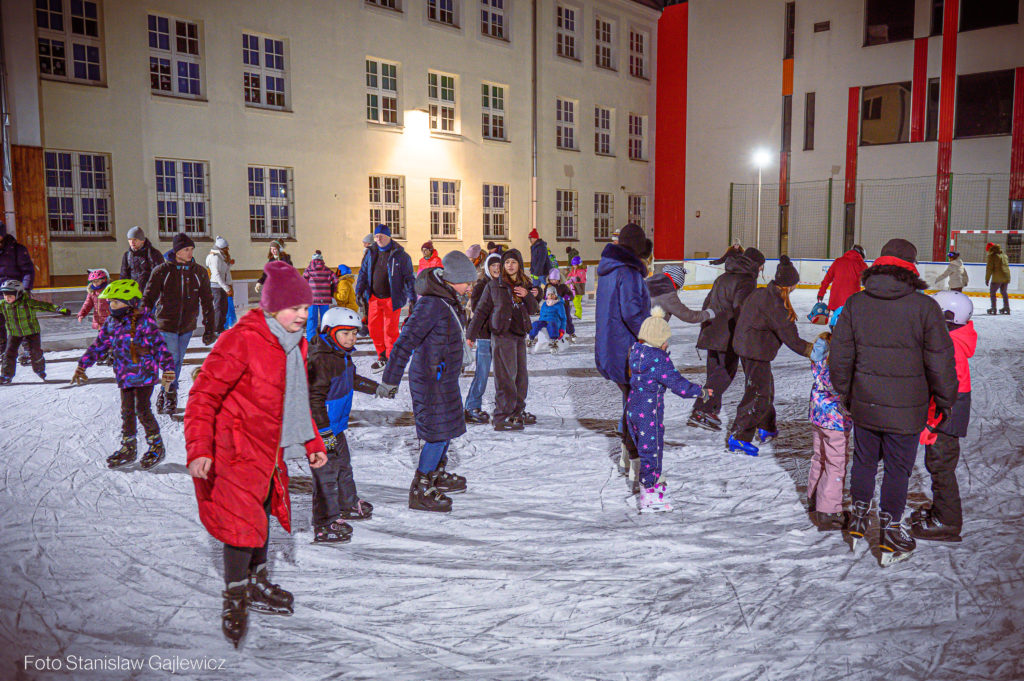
137,346
827,410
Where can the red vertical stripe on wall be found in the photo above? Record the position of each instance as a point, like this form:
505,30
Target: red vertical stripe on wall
670,135
784,178
919,103
1017,143
947,93
852,130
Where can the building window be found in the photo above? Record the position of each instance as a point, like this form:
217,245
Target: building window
565,31
809,121
604,43
271,203
787,123
174,57
263,71
787,50
975,15
637,137
443,12
386,4
932,112
565,123
637,209
638,53
444,209
565,215
182,197
381,92
78,199
493,111
603,125
441,99
888,21
604,205
495,211
984,104
493,19
387,203
69,27
885,114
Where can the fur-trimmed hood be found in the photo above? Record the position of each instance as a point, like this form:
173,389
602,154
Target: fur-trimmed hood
614,256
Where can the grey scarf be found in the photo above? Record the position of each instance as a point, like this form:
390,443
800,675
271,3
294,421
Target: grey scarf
296,422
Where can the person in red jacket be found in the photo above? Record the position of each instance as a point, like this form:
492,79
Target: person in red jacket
844,277
430,257
248,410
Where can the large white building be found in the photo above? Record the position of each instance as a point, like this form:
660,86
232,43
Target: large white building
312,120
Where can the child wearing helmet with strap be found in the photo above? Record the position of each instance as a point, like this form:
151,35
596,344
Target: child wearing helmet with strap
18,310
141,360
332,380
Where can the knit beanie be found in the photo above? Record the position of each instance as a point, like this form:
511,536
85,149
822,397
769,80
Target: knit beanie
136,233
756,256
220,242
555,276
534,234
900,248
785,274
491,245
458,269
632,238
473,252
677,274
382,229
181,240
427,245
368,239
284,287
549,290
317,256
655,330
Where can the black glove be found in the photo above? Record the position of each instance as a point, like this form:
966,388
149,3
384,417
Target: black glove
209,337
386,391
330,440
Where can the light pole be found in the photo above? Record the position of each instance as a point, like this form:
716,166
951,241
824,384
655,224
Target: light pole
761,159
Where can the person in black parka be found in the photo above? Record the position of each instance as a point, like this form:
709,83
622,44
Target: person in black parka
141,258
433,337
716,336
891,354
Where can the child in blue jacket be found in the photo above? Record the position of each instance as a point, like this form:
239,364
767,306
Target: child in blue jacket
651,373
332,380
552,318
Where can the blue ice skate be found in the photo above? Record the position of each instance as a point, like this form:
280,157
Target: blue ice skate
736,445
766,436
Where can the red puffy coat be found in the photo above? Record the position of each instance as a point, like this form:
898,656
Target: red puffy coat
844,276
234,417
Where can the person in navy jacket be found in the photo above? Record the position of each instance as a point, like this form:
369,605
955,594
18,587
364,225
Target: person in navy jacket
385,284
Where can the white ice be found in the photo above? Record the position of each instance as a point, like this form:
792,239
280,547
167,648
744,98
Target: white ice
544,570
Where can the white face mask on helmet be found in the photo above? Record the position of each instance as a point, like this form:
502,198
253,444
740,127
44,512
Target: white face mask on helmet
956,307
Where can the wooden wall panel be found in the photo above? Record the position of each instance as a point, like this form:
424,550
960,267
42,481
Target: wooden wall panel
30,207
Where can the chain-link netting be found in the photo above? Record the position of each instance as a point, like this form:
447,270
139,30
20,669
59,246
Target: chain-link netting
972,246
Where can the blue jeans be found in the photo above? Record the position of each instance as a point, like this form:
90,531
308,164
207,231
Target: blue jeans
177,344
474,398
316,312
431,455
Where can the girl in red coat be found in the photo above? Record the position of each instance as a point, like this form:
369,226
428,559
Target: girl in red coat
248,410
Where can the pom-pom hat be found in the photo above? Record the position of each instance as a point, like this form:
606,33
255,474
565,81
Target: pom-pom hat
655,330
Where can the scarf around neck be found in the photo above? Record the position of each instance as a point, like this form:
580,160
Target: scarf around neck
296,423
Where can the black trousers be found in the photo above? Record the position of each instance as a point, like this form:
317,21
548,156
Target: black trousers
627,439
511,380
994,288
897,453
35,352
220,307
334,489
941,459
240,560
570,328
721,372
135,402
757,408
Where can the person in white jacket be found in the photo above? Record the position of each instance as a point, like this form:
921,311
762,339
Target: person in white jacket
219,263
956,272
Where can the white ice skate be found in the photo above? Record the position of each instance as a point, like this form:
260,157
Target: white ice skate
623,459
654,499
634,475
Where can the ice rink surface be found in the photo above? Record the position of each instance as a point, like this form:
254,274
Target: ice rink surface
544,570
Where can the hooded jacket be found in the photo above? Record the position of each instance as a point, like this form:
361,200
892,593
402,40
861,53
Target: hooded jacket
763,326
433,261
965,342
175,293
100,307
956,272
345,293
321,281
664,293
479,288
15,262
726,298
844,277
332,380
499,307
622,305
540,263
400,275
139,265
997,267
220,270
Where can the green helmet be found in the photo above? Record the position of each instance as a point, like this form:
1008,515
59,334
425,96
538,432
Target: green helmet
122,289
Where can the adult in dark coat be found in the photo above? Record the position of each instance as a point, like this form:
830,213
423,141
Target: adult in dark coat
141,258
891,354
540,263
732,251
15,263
726,299
433,337
385,283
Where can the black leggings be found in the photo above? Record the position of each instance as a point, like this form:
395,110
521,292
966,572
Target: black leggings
135,402
239,561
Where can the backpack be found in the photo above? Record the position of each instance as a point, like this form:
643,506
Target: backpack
819,314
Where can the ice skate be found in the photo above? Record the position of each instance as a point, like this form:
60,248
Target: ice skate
530,342
363,510
5,380
828,522
991,311
553,347
336,531
267,598
766,436
654,499
476,416
893,541
170,402
1005,310
924,525
378,366
634,475
700,419
526,417
623,464
857,524
511,423
736,445
160,401
234,617
424,496
125,455
155,454
572,337
41,374
447,482
24,360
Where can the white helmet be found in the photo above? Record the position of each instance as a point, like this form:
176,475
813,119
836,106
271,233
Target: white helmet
956,307
340,317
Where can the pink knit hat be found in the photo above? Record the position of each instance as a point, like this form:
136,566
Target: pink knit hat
284,287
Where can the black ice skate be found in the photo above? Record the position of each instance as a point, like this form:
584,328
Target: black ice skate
424,496
160,400
267,598
857,525
170,405
511,423
1005,310
893,540
476,416
379,365
155,454
924,525
337,531
526,417
448,483
700,419
363,511
991,310
828,522
234,617
125,455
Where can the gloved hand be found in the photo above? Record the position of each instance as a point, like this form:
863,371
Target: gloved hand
821,298
330,440
79,377
944,415
705,394
711,313
820,350
166,378
63,311
385,391
209,337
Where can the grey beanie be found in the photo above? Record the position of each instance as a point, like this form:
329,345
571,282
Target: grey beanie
368,239
136,233
458,268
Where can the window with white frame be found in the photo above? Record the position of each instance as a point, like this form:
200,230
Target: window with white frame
565,214
566,28
637,209
386,4
443,11
271,202
493,111
494,18
70,29
387,203
604,207
444,209
637,137
441,101
175,58
264,76
638,52
495,211
604,42
182,197
382,91
565,123
603,125
78,200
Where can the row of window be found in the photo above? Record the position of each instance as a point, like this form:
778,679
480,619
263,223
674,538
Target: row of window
889,21
79,201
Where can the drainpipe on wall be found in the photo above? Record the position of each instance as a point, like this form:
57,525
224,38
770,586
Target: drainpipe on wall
533,123
5,122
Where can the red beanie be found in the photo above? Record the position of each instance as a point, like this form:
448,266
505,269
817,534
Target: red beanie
533,234
284,287
988,246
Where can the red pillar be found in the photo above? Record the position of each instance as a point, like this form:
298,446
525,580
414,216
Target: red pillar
670,142
1017,140
919,101
947,94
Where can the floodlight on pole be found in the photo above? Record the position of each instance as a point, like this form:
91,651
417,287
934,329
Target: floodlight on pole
762,157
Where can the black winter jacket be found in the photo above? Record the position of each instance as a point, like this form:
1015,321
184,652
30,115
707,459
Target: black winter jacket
15,262
284,257
726,299
764,326
479,289
891,352
175,293
139,265
497,305
540,264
